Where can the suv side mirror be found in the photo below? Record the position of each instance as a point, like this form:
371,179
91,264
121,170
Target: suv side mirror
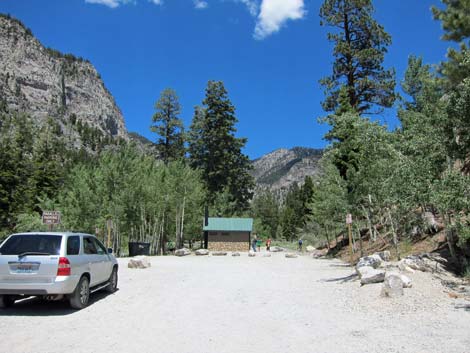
110,250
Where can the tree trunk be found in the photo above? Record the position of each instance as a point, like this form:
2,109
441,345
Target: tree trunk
182,220
395,237
450,237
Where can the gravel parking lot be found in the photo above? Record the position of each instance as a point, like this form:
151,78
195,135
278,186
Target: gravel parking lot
242,304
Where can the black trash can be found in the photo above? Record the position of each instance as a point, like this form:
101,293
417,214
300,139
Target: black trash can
139,248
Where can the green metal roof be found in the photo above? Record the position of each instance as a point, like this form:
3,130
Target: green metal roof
230,224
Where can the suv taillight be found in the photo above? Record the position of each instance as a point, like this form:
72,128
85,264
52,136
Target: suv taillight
64,267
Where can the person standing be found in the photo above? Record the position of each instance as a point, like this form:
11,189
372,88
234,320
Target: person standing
300,244
253,243
258,245
268,244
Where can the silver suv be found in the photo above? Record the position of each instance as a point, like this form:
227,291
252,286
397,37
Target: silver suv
55,266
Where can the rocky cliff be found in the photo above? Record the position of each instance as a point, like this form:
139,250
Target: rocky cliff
279,169
44,83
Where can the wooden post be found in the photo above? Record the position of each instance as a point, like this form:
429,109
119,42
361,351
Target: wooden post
350,244
349,223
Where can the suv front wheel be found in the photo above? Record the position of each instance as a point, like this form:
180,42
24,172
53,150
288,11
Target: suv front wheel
113,281
81,295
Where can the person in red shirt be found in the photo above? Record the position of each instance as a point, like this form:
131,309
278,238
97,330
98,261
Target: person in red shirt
268,244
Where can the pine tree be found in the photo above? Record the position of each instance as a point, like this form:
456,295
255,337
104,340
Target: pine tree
360,46
455,19
169,128
456,24
216,151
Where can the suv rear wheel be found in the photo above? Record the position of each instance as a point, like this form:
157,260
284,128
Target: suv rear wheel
81,295
6,301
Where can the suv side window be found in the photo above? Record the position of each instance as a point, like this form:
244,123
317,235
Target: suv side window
73,245
89,246
99,247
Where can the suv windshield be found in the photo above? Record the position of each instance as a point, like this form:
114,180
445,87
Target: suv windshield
32,244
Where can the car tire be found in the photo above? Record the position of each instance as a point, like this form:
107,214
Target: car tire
81,295
6,301
113,281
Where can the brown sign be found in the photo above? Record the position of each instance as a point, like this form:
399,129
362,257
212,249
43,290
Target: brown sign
51,217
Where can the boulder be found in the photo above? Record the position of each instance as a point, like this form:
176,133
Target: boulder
139,262
373,261
202,252
251,253
384,255
407,283
393,286
276,249
319,253
369,275
219,253
291,255
405,268
182,252
310,248
431,223
267,254
235,254
414,262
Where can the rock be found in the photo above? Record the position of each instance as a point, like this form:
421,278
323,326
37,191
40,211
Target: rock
182,252
369,275
405,268
393,286
310,249
291,255
407,283
414,262
384,255
202,252
372,261
139,262
235,254
251,253
267,254
319,253
219,253
276,249
431,222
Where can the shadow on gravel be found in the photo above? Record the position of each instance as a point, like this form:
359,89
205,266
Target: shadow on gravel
349,278
34,306
341,265
465,307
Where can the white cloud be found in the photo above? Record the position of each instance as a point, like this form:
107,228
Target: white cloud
157,2
110,3
252,5
274,13
200,4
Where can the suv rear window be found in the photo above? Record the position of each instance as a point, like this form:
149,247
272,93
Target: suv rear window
73,245
34,244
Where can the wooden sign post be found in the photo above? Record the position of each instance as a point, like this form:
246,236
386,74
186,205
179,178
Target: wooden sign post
349,223
50,218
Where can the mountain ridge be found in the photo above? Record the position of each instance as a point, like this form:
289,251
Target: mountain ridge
45,83
281,168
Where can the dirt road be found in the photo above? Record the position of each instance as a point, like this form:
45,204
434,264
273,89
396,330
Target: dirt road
242,304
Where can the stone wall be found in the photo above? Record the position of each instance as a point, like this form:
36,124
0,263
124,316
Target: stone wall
228,246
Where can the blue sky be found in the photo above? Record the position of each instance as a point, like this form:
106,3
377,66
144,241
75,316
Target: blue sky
269,53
